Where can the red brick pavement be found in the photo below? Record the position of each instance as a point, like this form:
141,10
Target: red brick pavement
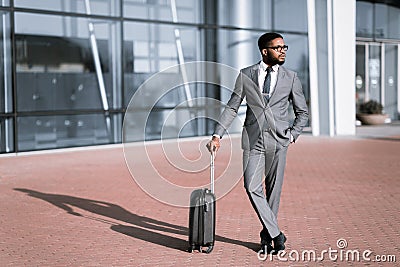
82,208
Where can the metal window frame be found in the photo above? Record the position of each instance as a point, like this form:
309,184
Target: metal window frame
382,44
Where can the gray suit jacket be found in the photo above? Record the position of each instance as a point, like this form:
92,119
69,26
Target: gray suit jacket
261,116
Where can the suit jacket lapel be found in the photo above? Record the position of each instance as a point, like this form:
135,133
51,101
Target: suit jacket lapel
254,78
279,81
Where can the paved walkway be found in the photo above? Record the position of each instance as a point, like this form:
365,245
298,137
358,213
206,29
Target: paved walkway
82,208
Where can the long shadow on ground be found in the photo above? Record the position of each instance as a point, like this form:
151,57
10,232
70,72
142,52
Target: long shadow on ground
140,227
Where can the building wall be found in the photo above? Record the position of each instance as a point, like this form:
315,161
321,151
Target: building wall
69,68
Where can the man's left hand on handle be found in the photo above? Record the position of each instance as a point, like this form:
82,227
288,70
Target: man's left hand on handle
214,144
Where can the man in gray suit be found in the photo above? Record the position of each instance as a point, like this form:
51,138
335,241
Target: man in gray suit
269,89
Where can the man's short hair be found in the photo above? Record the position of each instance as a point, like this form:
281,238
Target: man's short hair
266,38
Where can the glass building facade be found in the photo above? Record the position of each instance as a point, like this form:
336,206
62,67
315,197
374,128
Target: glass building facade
377,54
70,67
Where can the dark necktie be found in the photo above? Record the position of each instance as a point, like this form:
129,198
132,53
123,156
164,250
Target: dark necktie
267,84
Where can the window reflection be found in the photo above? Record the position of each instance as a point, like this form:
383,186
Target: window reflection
67,67
6,100
186,10
378,20
73,84
277,15
290,19
245,14
45,132
387,21
364,19
6,134
150,48
96,7
56,69
6,104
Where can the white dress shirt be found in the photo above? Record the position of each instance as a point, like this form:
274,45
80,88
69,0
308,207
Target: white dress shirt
262,72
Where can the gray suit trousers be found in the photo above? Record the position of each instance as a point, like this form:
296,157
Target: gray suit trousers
265,163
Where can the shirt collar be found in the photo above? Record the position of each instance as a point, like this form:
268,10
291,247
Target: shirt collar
264,66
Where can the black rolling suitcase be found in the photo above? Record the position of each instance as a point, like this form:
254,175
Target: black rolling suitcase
202,217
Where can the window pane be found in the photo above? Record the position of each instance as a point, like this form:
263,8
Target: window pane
45,132
170,123
150,48
5,64
391,80
375,72
6,135
387,21
4,2
364,19
297,58
245,14
360,74
282,15
57,66
97,7
290,15
185,10
238,48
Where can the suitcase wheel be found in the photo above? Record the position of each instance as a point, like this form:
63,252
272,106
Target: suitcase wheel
209,249
193,247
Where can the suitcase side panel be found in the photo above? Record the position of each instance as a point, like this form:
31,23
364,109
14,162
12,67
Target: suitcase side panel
196,218
209,215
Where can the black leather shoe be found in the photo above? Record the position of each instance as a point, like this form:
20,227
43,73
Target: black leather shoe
266,248
264,235
266,242
279,243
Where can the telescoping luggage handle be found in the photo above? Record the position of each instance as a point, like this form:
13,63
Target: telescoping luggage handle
212,171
